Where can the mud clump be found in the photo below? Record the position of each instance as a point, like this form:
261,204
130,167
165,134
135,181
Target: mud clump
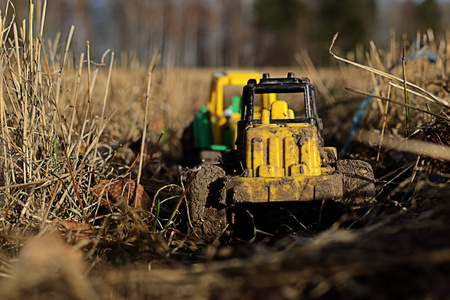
206,215
358,181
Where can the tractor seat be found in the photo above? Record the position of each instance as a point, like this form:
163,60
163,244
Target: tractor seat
279,110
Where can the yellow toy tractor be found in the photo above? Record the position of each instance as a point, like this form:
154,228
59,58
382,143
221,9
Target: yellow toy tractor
279,162
214,128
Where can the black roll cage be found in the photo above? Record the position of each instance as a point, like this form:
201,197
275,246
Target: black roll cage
288,85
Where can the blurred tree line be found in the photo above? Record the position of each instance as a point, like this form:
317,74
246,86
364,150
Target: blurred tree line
216,33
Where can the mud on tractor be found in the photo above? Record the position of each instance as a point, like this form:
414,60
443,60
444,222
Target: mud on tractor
279,162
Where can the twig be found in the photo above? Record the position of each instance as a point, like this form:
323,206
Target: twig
88,51
396,102
411,146
144,133
132,164
157,193
384,124
191,180
417,94
405,92
156,146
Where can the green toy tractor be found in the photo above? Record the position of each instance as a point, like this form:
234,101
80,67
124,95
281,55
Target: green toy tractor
214,128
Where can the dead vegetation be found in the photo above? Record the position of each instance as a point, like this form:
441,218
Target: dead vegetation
76,222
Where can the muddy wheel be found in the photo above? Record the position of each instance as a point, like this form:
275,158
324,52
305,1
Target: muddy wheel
207,215
358,182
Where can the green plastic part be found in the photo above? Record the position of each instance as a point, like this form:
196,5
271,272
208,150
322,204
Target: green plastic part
219,147
202,129
236,104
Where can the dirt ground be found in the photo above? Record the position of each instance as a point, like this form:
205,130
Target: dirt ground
398,249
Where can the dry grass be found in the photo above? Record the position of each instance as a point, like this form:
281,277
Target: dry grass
57,139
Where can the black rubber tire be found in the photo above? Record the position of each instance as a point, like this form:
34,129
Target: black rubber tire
191,155
358,182
208,217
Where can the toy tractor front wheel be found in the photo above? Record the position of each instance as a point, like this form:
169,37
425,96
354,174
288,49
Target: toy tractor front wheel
358,182
207,216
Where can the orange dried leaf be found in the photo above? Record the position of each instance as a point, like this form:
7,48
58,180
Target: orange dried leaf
122,189
78,230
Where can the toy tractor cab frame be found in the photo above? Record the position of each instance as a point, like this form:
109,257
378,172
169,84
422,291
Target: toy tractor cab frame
267,85
291,84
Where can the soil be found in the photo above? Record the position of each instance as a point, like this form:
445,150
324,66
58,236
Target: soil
337,120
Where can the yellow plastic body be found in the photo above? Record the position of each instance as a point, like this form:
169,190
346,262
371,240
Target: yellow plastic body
233,126
283,163
216,100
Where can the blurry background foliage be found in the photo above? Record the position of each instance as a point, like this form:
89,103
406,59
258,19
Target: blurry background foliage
213,33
